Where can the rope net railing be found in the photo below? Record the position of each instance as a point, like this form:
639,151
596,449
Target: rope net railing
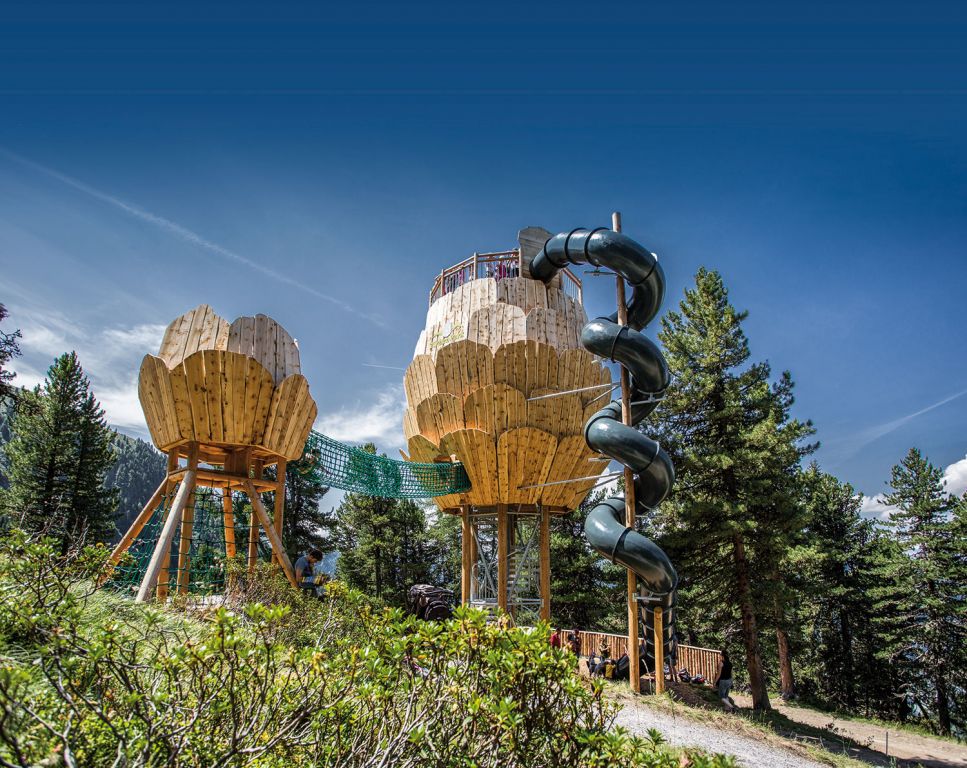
338,465
205,568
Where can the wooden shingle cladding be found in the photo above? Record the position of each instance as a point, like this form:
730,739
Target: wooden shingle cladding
227,385
487,348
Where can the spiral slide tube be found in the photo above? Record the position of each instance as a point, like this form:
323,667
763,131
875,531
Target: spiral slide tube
604,431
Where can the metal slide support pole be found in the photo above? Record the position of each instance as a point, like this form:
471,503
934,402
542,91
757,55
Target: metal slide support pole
634,670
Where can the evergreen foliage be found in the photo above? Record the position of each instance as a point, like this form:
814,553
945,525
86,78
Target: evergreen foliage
587,591
382,544
923,618
305,523
9,349
59,458
834,569
137,471
735,450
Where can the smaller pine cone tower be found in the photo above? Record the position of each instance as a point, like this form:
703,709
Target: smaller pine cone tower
495,345
224,401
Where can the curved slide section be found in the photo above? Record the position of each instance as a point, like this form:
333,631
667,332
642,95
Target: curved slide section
604,431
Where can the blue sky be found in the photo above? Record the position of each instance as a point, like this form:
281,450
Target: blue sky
321,164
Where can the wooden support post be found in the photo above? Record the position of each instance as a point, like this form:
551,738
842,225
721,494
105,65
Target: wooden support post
466,551
503,560
545,563
184,544
274,538
228,517
634,671
136,527
163,548
659,651
279,498
172,484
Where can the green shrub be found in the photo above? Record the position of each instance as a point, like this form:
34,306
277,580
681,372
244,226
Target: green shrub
93,680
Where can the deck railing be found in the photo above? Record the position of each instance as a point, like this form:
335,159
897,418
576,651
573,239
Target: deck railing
696,660
498,265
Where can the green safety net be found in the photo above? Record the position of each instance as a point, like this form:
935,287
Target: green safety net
338,465
204,570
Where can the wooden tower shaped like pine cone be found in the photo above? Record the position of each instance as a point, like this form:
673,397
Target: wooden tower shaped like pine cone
495,341
227,386
225,401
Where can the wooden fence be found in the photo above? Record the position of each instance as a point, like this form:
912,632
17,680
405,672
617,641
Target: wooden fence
695,660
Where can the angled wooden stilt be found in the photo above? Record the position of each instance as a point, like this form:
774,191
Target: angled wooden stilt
274,538
163,548
134,531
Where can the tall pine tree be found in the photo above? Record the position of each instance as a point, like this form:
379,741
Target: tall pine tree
383,546
735,448
929,637
59,456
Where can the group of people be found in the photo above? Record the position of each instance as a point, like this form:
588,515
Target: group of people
495,269
603,665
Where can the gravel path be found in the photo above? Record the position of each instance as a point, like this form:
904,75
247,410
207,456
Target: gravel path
679,731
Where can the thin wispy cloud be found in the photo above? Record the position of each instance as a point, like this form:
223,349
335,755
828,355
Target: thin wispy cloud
187,235
871,434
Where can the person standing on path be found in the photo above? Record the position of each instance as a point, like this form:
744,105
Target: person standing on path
724,682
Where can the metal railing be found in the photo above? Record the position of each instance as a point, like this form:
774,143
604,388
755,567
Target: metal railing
498,265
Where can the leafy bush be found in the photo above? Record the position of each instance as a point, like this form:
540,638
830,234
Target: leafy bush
91,679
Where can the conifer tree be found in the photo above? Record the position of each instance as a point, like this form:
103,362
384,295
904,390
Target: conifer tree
9,348
306,524
836,573
59,456
382,544
928,635
735,450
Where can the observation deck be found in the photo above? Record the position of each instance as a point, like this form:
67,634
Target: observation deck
497,265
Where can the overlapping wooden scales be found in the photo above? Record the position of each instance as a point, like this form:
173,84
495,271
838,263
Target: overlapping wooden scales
439,415
290,417
559,415
522,292
199,328
527,366
497,324
226,398
464,366
157,401
410,425
495,409
570,461
577,369
419,381
268,342
524,458
478,452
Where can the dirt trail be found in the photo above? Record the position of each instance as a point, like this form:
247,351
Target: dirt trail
638,717
904,745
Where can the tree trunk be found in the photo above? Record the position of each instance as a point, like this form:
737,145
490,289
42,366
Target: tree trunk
943,706
750,633
846,638
787,682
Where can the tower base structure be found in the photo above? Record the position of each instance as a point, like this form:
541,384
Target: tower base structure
506,560
219,474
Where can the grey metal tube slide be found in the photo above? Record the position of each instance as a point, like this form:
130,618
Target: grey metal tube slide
604,431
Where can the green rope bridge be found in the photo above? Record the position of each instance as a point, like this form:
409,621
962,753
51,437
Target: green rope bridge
325,461
338,465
